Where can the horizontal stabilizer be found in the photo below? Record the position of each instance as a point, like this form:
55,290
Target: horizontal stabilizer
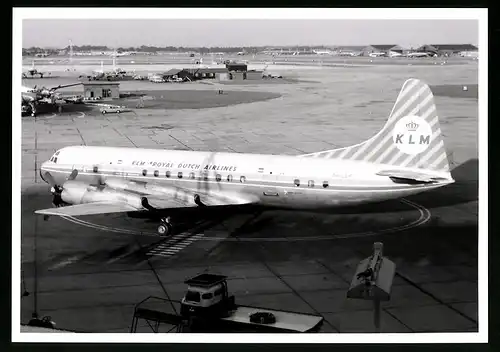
88,209
412,177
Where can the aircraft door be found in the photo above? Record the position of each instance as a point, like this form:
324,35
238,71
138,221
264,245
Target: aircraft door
271,192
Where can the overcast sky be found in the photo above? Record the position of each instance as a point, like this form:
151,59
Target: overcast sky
136,32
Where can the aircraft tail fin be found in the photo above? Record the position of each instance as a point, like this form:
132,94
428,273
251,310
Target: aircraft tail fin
411,136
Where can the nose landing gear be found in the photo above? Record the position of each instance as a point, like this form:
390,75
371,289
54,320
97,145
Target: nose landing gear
165,228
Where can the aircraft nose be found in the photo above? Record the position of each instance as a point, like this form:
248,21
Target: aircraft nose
42,171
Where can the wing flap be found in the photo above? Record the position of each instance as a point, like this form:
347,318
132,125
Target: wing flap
88,209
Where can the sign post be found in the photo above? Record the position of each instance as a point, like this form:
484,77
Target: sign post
373,281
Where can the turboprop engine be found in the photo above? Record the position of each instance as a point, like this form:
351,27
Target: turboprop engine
75,192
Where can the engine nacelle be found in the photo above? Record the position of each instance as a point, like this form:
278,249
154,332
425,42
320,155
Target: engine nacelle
75,192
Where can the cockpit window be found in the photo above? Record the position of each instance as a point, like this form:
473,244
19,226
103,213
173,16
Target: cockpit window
55,160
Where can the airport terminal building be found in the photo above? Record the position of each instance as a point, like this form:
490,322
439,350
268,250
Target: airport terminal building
101,89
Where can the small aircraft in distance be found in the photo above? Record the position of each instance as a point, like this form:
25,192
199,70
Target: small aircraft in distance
33,72
421,54
406,157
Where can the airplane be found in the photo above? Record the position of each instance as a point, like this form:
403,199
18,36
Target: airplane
32,97
32,72
395,54
407,156
420,54
378,54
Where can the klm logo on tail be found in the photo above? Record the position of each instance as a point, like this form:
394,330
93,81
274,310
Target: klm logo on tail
412,135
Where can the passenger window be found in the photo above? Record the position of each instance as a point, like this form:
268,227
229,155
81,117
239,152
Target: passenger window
205,177
95,169
310,183
243,179
179,175
144,172
157,173
206,295
325,184
191,175
229,178
296,182
218,177
167,174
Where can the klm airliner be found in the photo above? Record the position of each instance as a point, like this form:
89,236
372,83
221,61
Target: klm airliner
406,157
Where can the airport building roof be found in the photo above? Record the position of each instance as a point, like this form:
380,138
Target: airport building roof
457,47
383,46
101,83
172,72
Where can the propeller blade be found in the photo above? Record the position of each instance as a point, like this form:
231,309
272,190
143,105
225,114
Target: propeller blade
73,175
50,180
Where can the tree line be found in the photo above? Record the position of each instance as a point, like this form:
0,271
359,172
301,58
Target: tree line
149,48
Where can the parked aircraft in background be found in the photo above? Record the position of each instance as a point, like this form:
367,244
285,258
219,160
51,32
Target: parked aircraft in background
395,54
377,54
406,157
33,72
420,54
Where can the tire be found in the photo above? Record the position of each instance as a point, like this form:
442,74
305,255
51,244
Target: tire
104,112
118,111
164,229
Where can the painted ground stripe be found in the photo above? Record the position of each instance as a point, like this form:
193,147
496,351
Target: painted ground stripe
392,120
162,255
388,136
400,154
388,140
153,252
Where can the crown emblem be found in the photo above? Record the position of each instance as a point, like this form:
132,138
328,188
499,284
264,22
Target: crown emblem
412,126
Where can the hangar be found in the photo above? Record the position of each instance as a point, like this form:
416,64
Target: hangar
447,49
383,48
101,89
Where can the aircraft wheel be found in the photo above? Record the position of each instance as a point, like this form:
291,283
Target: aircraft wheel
164,229
118,111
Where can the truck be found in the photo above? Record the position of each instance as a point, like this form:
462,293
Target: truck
208,307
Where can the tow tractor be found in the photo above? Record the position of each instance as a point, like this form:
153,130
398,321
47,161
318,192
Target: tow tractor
207,307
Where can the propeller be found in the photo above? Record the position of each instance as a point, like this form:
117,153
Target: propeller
56,189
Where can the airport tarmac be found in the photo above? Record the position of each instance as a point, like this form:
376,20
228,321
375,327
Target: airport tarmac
93,270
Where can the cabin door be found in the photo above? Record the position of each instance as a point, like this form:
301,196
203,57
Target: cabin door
271,192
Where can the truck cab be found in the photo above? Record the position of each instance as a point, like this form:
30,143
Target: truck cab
206,294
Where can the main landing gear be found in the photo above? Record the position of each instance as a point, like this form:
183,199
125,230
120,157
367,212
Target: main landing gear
165,228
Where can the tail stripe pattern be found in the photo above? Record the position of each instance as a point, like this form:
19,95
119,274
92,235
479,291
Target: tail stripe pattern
414,99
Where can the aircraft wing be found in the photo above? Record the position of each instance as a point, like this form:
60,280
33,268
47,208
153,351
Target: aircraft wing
198,199
88,209
412,176
151,203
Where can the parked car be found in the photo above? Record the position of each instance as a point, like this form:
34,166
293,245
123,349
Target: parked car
114,109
